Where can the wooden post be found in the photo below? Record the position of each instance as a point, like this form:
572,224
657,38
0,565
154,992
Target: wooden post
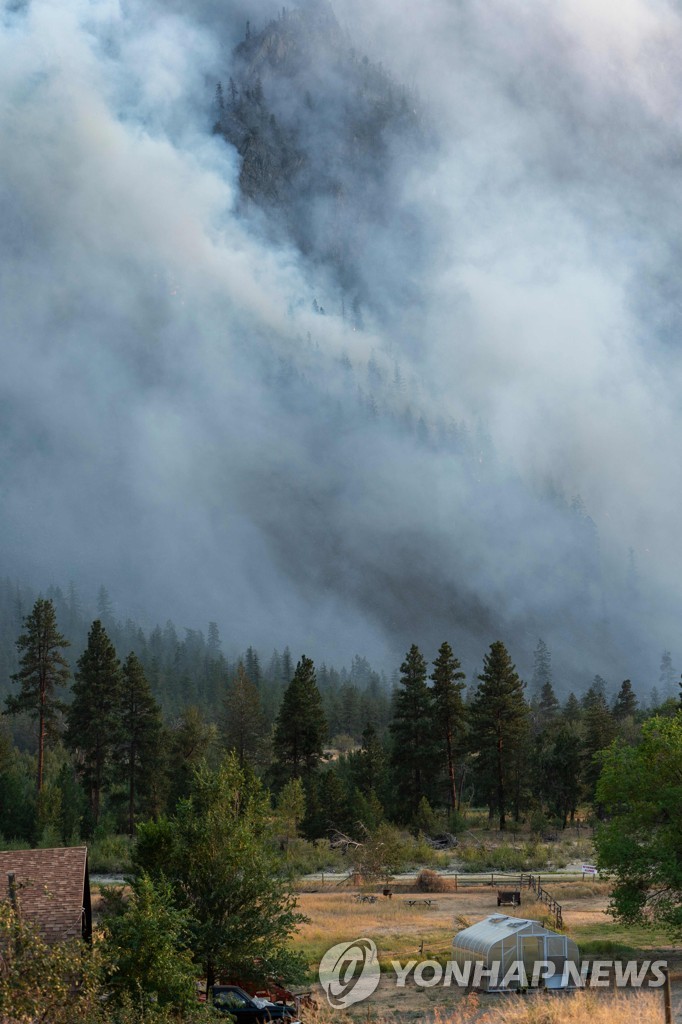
667,999
455,883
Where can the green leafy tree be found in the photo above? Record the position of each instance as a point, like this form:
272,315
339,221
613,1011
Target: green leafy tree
413,755
147,946
301,728
43,669
137,752
382,854
639,845
59,983
449,715
499,717
291,808
217,854
93,716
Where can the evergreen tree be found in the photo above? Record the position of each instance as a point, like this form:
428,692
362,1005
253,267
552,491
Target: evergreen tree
571,712
413,750
449,717
599,733
252,666
93,716
625,704
542,668
561,778
217,854
105,610
286,666
499,727
191,740
371,760
137,753
548,704
300,729
329,806
213,642
42,670
242,722
291,809
666,676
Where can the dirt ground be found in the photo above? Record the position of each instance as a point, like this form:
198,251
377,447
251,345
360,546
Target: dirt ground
403,932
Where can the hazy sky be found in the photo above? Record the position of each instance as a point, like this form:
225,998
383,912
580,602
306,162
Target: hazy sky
143,317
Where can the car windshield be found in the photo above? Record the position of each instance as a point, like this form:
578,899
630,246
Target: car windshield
230,999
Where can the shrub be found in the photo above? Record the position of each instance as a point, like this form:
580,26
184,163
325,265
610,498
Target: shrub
431,881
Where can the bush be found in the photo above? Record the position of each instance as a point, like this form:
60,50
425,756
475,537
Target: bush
431,881
304,858
531,857
110,854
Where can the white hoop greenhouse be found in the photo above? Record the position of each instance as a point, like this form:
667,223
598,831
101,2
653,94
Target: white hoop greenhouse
497,943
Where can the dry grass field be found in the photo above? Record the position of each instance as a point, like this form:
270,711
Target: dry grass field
577,1008
403,932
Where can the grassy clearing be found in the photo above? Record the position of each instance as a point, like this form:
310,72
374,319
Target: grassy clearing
396,927
578,890
613,939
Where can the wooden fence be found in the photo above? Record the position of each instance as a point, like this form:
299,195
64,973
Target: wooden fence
533,882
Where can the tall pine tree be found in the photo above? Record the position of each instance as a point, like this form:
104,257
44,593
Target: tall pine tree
42,670
137,751
600,730
300,729
242,724
499,727
449,714
93,716
413,750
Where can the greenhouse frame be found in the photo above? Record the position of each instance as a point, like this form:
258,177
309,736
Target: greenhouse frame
506,941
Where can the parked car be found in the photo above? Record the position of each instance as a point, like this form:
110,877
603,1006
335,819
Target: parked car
248,1009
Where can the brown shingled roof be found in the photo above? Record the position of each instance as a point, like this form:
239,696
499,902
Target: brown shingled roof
53,889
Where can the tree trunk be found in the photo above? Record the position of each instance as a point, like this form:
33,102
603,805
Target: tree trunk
94,802
500,787
451,771
41,745
131,794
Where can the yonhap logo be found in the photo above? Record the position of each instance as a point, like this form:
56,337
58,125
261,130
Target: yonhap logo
350,972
